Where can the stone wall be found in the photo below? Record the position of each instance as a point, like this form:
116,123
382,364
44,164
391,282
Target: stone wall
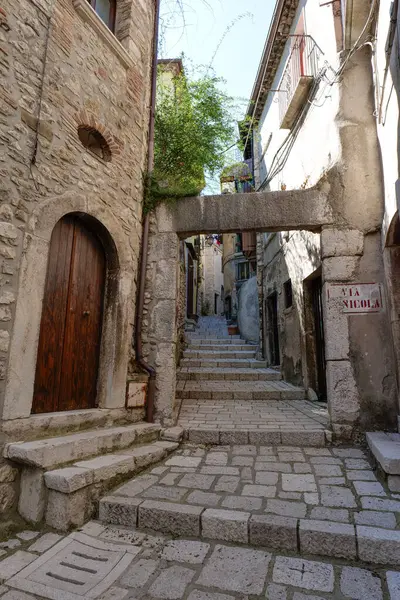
59,62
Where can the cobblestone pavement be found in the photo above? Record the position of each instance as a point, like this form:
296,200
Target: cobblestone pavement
115,563
257,415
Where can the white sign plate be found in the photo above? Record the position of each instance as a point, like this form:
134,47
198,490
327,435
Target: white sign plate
357,298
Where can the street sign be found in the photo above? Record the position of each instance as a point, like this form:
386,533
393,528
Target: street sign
357,298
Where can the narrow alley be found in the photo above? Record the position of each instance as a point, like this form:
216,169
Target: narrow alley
230,397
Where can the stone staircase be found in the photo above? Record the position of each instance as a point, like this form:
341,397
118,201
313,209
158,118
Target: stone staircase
222,367
63,477
229,396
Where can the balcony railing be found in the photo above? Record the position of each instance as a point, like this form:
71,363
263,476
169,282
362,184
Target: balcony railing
300,71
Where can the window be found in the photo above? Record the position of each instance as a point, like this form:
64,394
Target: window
243,271
106,10
238,243
95,142
287,288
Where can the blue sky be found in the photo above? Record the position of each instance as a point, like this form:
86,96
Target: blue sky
239,54
230,33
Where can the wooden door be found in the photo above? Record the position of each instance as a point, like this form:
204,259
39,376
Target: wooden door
319,338
70,329
272,329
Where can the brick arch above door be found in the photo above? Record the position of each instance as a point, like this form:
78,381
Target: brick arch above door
118,313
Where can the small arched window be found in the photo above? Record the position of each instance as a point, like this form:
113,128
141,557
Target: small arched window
106,9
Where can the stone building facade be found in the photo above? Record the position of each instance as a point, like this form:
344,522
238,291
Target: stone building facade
311,128
74,106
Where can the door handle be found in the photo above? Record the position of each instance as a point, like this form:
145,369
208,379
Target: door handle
86,313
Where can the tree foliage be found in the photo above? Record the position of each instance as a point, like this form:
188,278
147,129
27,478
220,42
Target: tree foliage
194,125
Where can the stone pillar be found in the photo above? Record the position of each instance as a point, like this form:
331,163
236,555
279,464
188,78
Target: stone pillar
360,363
160,322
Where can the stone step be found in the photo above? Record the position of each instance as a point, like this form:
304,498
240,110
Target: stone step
221,348
216,342
213,374
284,533
225,363
51,452
225,353
72,492
244,390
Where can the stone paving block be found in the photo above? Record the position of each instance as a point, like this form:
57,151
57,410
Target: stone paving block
196,480
394,483
325,460
203,498
301,596
139,573
290,456
266,478
185,551
373,518
273,531
369,488
163,492
303,573
328,471
119,510
287,508
171,583
242,503
276,592
45,542
327,538
332,481
298,483
259,491
337,497
216,458
320,513
15,595
201,595
360,584
348,452
183,461
219,470
361,475
227,525
13,564
380,504
311,498
393,581
381,546
236,569
227,483
178,519
356,463
317,451
302,468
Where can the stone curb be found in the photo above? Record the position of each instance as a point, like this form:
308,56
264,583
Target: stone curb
304,536
315,438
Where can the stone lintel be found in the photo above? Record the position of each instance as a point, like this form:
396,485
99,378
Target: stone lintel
256,211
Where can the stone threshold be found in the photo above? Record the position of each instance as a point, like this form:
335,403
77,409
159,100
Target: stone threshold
371,545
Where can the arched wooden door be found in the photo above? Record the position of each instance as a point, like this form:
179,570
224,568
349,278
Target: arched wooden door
70,329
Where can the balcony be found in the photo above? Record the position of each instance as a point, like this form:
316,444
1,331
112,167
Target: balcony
298,77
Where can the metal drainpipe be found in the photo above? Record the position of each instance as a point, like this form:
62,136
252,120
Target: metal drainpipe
145,239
